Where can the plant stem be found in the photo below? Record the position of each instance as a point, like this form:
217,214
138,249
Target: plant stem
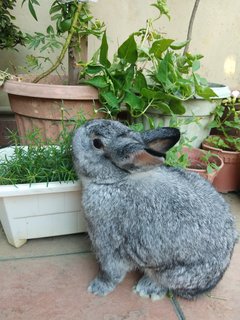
65,46
190,26
142,113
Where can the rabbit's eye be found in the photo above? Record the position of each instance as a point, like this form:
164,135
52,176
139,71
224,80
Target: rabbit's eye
97,143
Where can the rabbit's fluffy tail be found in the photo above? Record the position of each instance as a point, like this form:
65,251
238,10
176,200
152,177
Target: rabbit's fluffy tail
189,282
191,294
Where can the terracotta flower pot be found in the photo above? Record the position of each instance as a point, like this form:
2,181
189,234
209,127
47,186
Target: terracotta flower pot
199,166
228,178
41,105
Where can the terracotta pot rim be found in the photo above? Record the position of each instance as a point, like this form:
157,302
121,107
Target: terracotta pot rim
197,170
51,91
201,151
205,143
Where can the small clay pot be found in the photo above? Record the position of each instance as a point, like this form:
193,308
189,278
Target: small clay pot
228,178
199,166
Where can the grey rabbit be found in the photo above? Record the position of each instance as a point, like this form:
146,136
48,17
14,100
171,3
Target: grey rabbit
143,215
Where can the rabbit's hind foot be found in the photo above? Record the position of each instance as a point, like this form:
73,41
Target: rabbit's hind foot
100,287
147,288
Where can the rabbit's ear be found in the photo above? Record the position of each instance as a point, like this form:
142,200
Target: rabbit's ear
162,139
129,155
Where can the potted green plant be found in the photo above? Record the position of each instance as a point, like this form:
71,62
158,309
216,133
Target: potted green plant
231,113
205,163
37,100
226,145
39,194
152,79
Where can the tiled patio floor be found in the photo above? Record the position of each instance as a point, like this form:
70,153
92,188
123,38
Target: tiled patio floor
46,279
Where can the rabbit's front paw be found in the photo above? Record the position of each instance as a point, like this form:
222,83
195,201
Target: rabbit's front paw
148,289
100,287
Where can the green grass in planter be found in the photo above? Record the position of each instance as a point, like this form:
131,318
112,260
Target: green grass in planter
39,162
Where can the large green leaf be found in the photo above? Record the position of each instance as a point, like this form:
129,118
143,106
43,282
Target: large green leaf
135,102
156,94
110,98
163,70
103,56
159,46
139,82
162,107
98,82
128,50
94,69
151,94
205,92
128,77
177,107
179,45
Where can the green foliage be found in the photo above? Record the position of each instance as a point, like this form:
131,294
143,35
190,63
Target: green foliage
208,159
62,14
161,5
10,34
31,8
4,76
44,41
226,118
175,157
178,155
40,162
147,71
228,143
120,82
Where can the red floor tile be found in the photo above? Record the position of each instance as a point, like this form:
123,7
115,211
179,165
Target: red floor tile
54,288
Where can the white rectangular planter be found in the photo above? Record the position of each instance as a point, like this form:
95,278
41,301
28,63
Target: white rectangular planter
36,211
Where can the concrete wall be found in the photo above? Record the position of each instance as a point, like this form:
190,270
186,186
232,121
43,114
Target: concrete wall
215,32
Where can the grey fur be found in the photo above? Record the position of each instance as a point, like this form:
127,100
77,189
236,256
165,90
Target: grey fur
169,223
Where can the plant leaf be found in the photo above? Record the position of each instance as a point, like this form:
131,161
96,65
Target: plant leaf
195,65
177,107
151,94
93,69
139,82
179,45
110,98
32,10
205,92
134,101
128,50
159,46
161,106
98,82
103,55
